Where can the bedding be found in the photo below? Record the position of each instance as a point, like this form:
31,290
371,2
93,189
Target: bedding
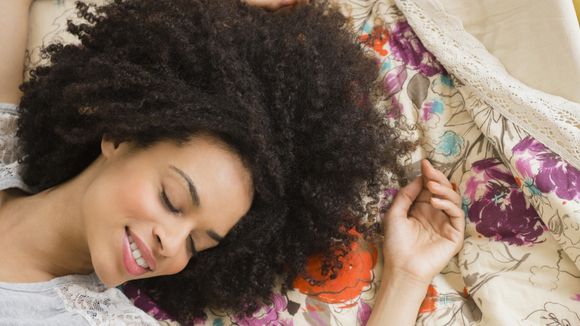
538,42
511,151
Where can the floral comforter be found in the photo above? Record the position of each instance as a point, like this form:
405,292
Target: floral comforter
520,264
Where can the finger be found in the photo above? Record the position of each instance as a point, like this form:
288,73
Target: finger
405,198
455,236
271,4
443,192
432,173
456,214
447,206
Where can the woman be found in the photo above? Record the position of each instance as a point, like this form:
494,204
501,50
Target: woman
201,150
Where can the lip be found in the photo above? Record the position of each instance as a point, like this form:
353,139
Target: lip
130,264
144,249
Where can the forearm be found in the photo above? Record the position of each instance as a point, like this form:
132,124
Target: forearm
398,301
13,37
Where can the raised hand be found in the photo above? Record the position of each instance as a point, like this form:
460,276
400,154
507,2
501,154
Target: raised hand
424,227
273,4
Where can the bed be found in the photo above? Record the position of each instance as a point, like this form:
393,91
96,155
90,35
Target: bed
491,90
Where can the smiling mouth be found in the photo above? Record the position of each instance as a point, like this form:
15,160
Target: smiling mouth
136,253
135,262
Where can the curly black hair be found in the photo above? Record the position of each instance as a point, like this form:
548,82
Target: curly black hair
288,91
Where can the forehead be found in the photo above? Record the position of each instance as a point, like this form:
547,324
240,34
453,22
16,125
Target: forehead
212,156
201,152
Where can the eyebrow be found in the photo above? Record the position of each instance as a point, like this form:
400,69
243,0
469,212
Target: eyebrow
192,190
195,198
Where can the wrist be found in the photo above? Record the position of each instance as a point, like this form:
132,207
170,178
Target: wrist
398,300
403,276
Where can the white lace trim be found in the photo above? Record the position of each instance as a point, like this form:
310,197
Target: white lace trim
92,300
552,120
102,306
9,153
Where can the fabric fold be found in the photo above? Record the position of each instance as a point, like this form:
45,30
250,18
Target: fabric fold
552,120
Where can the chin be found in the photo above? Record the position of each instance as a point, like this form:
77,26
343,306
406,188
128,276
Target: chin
108,281
107,275
110,284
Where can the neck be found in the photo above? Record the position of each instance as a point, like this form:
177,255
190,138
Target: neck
44,234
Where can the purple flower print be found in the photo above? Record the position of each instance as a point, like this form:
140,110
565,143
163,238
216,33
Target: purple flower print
396,109
364,313
267,315
407,47
394,80
387,198
498,206
143,302
548,170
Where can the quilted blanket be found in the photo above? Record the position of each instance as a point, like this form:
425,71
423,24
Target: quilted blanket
510,151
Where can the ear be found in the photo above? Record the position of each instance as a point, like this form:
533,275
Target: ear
109,148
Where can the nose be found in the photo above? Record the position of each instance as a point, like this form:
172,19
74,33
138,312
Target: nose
171,239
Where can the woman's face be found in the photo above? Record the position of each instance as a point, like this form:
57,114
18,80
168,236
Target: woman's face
147,211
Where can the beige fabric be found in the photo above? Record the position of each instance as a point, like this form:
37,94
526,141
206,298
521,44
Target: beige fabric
552,120
537,41
47,24
489,283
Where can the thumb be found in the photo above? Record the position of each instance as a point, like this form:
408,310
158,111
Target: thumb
405,198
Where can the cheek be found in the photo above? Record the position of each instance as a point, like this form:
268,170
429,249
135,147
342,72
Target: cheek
135,198
175,265
140,202
113,202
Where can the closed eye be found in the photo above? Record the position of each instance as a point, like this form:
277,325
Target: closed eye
167,203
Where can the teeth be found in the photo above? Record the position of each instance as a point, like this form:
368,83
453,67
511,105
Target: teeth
137,254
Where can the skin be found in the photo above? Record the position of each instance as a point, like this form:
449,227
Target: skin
13,31
75,228
423,229
79,226
274,4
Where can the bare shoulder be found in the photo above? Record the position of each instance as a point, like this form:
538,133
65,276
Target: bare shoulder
13,35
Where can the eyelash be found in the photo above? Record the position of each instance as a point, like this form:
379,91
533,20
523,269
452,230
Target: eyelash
167,203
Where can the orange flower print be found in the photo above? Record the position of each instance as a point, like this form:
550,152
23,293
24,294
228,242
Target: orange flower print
377,38
518,181
430,302
355,275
